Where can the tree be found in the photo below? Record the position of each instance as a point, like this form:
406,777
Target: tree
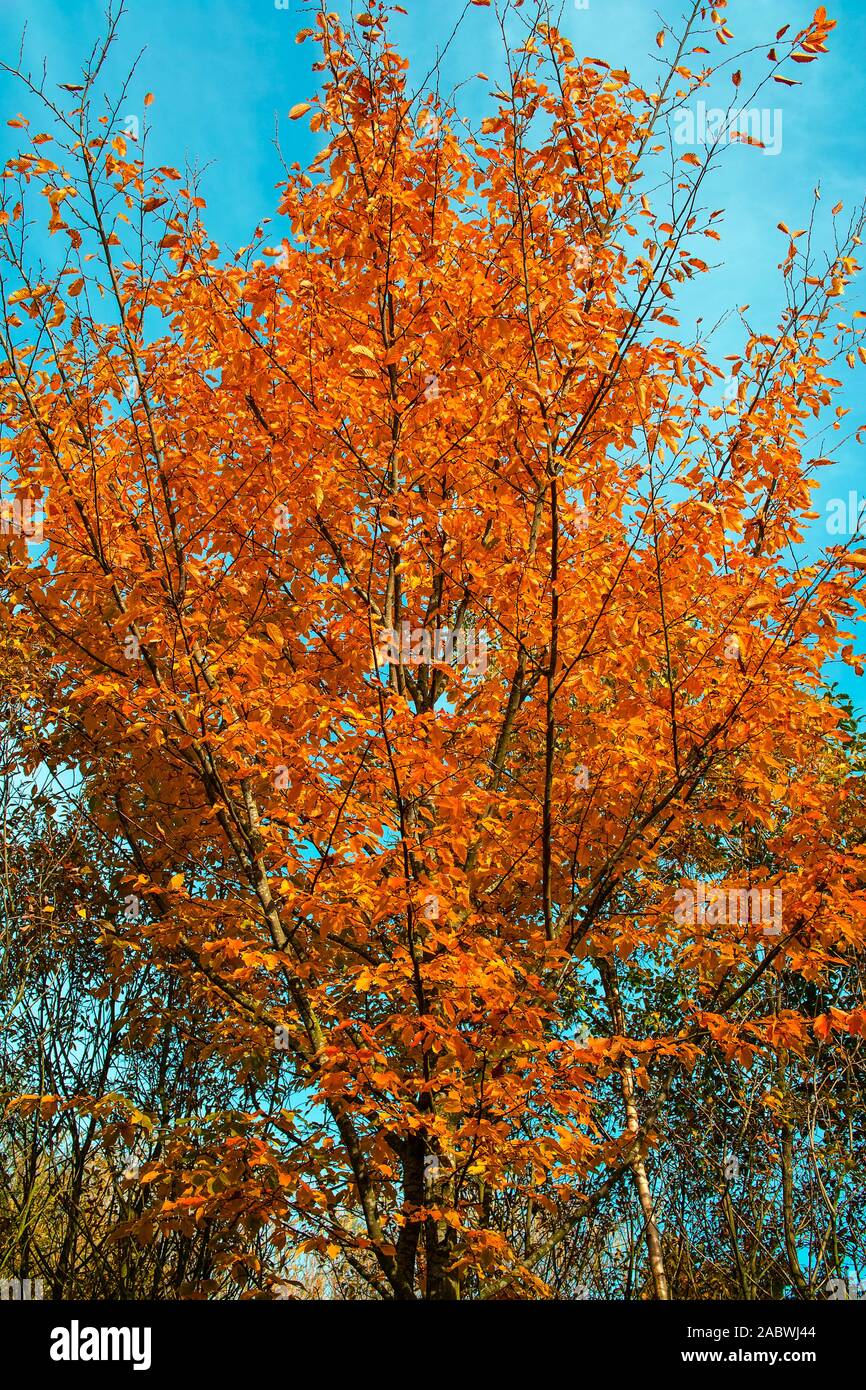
427,629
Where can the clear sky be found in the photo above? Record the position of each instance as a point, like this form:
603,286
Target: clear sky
226,72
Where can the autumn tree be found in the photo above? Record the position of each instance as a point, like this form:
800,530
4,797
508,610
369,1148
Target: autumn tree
426,626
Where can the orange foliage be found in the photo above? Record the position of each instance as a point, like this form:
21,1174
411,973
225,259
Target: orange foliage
452,394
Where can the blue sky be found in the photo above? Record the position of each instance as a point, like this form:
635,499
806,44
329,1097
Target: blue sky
225,72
